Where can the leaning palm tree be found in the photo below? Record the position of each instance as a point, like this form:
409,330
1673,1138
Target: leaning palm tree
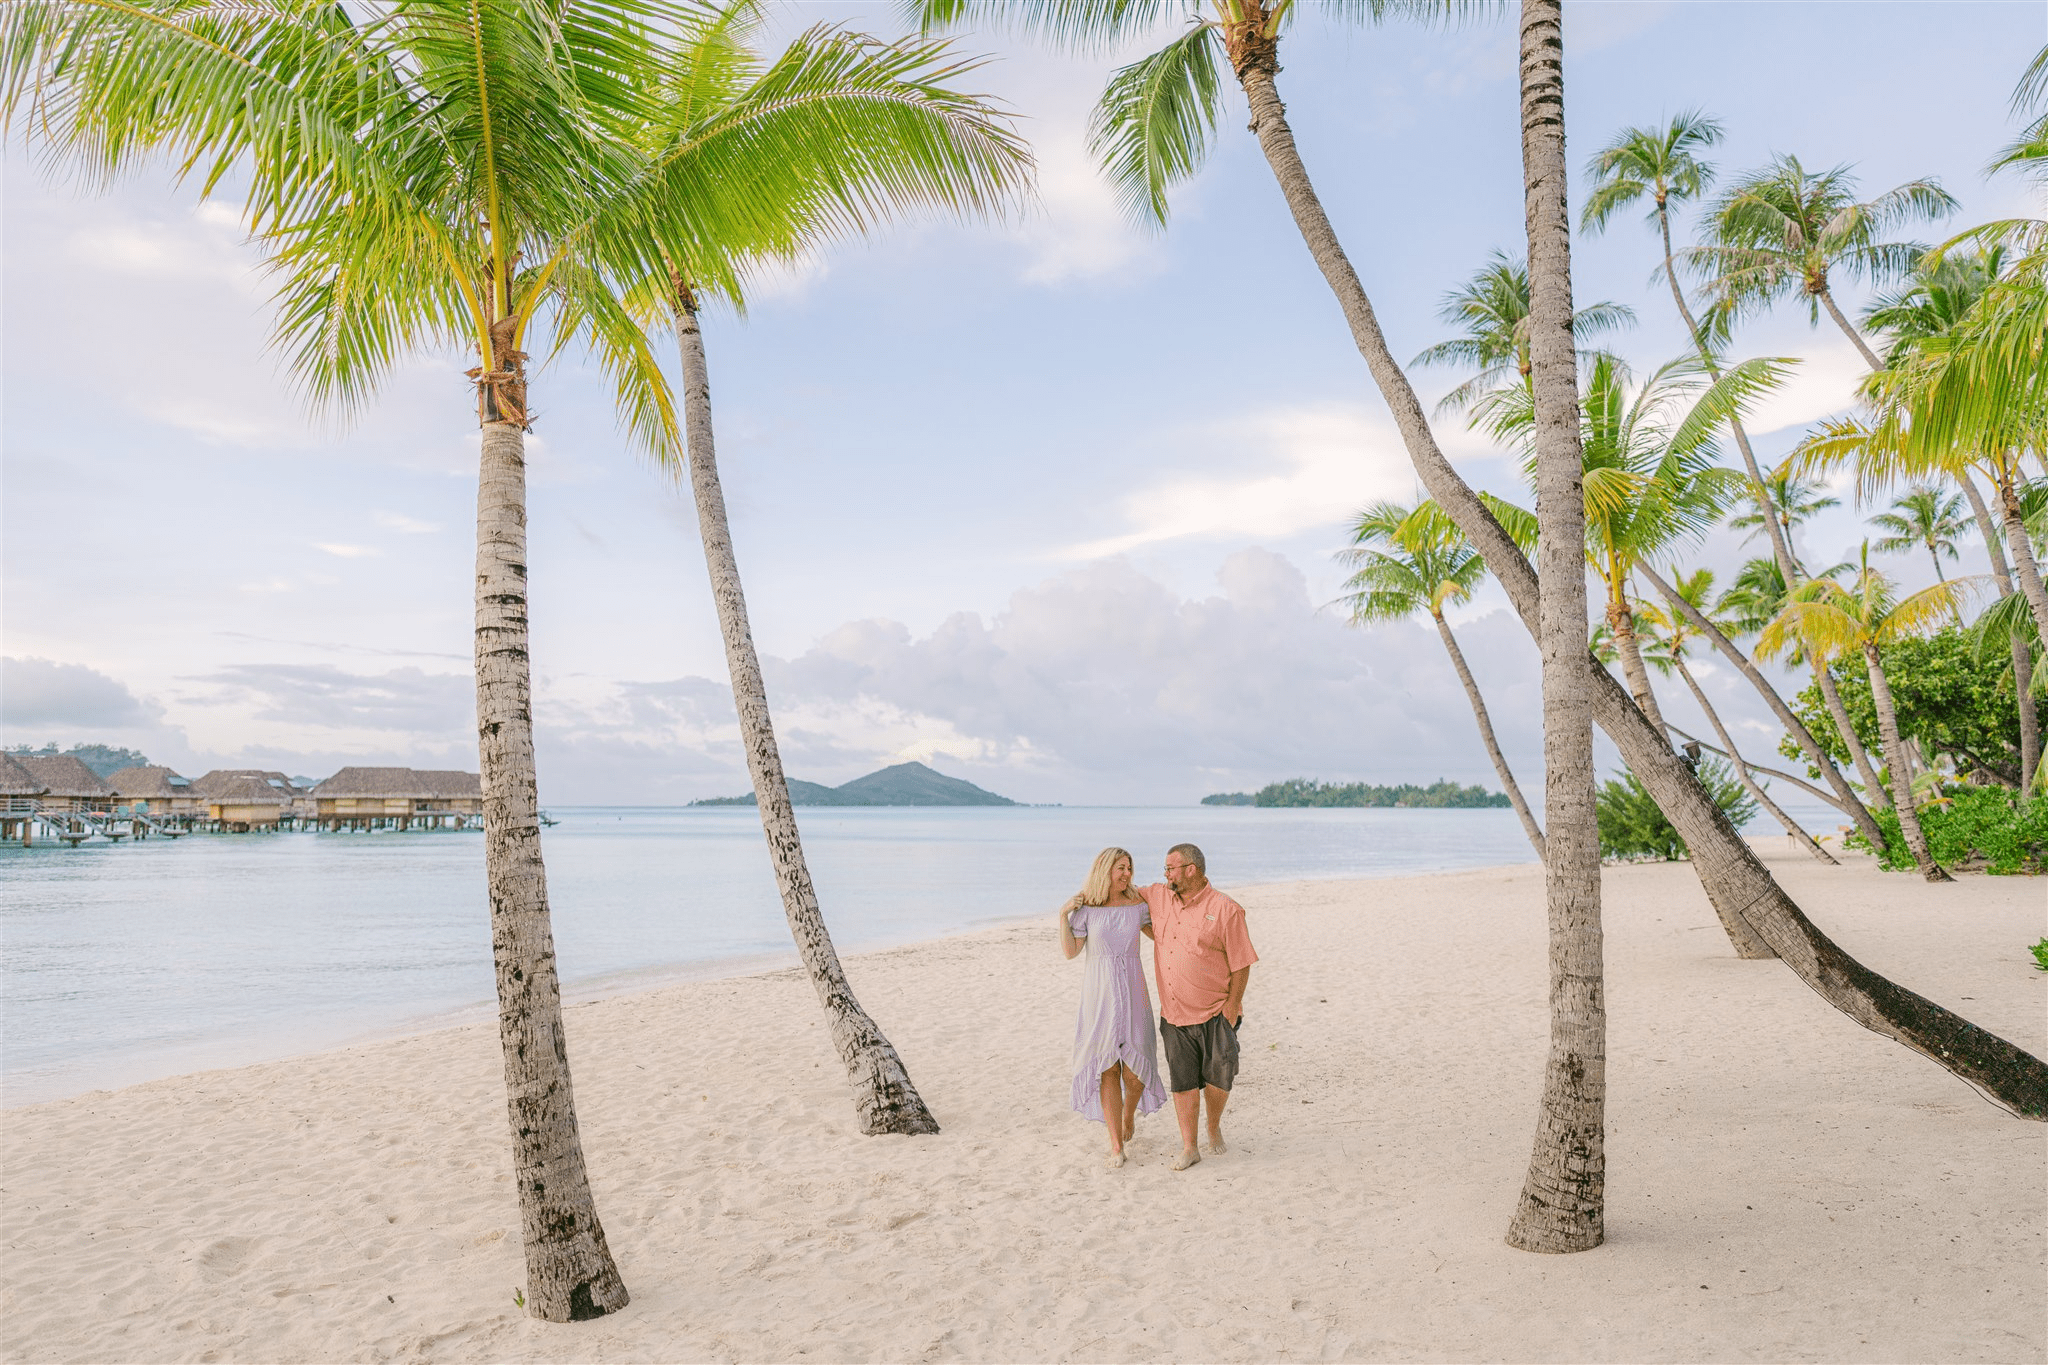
421,176
1156,119
1493,309
1409,560
1651,477
1922,518
1674,634
856,132
1663,166
1785,232
1831,621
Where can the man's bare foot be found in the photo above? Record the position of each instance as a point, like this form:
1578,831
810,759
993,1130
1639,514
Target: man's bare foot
1114,1160
1188,1157
1216,1147
1130,1128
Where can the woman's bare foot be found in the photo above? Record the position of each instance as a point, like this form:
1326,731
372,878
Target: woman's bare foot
1188,1157
1130,1127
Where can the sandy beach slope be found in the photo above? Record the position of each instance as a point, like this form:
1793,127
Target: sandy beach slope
1781,1184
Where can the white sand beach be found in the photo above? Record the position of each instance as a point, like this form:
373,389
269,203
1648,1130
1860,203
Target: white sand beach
1781,1184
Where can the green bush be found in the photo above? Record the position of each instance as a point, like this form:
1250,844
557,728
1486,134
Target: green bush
2040,952
1631,825
1991,825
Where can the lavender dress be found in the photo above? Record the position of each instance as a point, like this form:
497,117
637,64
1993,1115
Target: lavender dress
1116,1009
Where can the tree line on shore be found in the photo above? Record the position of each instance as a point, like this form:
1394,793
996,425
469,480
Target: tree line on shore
514,176
1302,791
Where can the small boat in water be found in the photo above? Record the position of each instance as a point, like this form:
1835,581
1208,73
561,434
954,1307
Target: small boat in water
548,820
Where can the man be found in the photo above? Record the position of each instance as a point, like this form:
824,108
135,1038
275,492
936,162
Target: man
1202,957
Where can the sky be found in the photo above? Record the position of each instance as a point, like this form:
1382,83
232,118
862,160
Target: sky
1050,502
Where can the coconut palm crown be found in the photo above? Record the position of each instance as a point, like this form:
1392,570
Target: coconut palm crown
1787,232
1493,309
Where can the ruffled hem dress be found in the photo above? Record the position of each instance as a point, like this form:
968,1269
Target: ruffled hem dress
1116,1023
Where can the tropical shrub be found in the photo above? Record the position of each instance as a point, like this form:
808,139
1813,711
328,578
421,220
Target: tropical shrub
1992,826
1632,827
1958,707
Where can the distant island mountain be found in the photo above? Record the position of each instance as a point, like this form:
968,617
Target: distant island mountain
905,784
1440,795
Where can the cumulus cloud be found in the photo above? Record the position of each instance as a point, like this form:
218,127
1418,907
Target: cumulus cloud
41,692
1100,684
1314,465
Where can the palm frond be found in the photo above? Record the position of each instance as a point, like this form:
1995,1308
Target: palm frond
1157,116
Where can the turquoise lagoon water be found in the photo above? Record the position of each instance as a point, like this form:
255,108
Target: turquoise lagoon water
120,963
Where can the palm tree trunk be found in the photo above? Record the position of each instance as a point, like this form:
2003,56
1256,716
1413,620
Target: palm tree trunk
1781,548
1622,622
1742,773
1500,762
1827,299
1832,695
2026,568
1895,758
2022,653
1760,919
883,1096
1564,1195
1845,797
570,1275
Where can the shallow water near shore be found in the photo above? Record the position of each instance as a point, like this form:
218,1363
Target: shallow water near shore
131,961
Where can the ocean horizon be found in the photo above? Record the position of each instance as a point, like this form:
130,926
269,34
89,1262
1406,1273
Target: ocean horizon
128,962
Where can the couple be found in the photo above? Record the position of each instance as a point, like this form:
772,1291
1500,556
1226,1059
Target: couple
1203,958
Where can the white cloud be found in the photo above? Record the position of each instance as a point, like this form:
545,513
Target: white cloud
1318,464
1821,385
412,526
350,551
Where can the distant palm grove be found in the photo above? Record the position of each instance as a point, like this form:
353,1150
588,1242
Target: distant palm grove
1300,791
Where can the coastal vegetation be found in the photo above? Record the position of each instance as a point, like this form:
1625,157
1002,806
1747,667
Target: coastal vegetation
1992,828
1302,791
1632,827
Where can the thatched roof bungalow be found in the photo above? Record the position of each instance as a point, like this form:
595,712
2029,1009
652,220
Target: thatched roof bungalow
67,783
366,797
155,790
297,800
17,783
246,800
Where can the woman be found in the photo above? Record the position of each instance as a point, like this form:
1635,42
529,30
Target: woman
1116,1069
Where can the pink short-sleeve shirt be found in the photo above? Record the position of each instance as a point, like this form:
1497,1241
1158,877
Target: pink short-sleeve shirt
1197,944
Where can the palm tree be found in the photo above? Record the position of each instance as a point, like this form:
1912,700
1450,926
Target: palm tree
1663,166
421,176
1922,518
1744,609
1493,309
1153,130
1674,633
1830,621
1651,477
857,131
1939,296
1783,500
1783,231
1407,560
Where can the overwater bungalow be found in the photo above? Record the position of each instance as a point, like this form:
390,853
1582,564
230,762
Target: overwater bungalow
297,800
68,785
20,790
156,791
398,798
239,802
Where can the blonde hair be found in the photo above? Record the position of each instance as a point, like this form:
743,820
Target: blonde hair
1095,891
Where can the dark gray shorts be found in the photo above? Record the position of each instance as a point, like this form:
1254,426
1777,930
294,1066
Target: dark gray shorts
1200,1054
